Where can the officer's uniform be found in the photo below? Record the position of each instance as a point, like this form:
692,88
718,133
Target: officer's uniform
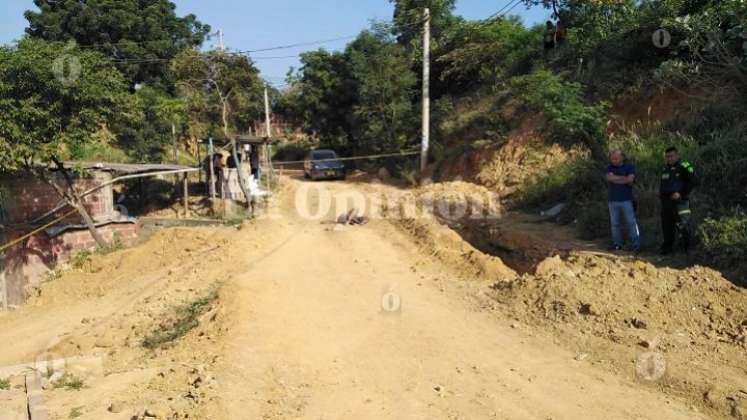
676,214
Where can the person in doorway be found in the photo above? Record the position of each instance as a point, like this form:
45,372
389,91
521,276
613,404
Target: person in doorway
677,182
254,160
549,36
218,166
233,163
620,178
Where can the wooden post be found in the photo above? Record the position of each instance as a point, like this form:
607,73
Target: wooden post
199,162
268,132
186,195
267,163
211,152
173,141
3,291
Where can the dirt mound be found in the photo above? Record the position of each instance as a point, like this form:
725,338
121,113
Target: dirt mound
198,207
447,246
607,295
103,309
694,318
456,201
94,275
612,310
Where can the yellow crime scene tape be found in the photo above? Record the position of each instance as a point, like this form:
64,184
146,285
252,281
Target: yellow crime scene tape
34,232
274,162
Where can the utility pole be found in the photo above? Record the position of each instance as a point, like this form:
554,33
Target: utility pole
268,127
426,90
268,130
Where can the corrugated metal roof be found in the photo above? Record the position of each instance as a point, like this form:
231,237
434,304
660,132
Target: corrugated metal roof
242,139
127,168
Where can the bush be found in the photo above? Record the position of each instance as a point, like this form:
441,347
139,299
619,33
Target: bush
291,152
70,382
576,181
725,238
569,119
408,171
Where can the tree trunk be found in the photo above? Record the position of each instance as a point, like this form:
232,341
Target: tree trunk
597,148
75,201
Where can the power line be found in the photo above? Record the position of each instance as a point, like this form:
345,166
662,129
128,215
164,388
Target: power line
500,13
512,7
302,44
495,15
127,43
403,28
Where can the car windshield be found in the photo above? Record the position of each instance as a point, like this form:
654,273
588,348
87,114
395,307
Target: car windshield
323,154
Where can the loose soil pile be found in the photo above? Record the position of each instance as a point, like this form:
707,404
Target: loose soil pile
616,310
611,309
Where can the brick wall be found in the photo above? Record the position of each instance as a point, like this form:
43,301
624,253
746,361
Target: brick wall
23,267
24,197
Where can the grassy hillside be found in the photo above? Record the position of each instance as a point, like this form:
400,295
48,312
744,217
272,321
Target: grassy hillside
540,130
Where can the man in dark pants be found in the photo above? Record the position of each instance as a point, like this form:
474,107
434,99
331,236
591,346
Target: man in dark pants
620,178
677,181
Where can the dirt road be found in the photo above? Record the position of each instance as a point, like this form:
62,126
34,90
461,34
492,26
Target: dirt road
313,322
356,323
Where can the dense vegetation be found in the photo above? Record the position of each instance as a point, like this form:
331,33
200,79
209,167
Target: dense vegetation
488,67
115,81
137,73
104,79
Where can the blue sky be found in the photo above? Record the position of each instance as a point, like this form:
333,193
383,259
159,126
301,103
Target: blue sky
254,24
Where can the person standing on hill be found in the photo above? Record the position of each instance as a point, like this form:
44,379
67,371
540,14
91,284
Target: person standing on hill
677,182
549,36
620,179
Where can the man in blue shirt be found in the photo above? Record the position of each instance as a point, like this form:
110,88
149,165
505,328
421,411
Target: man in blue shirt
620,179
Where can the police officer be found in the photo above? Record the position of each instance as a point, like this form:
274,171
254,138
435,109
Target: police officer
677,181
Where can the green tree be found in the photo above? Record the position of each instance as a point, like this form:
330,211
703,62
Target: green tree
569,119
321,96
384,115
221,90
144,128
143,32
48,110
476,53
408,19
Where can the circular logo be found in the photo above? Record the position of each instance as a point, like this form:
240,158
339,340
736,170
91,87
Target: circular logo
650,366
391,302
661,38
67,67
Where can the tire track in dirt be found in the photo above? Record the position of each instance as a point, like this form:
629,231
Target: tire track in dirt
309,339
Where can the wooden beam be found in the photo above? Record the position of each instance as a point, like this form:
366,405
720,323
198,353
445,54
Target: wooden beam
186,195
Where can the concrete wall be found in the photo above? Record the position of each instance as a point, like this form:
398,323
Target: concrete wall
24,197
